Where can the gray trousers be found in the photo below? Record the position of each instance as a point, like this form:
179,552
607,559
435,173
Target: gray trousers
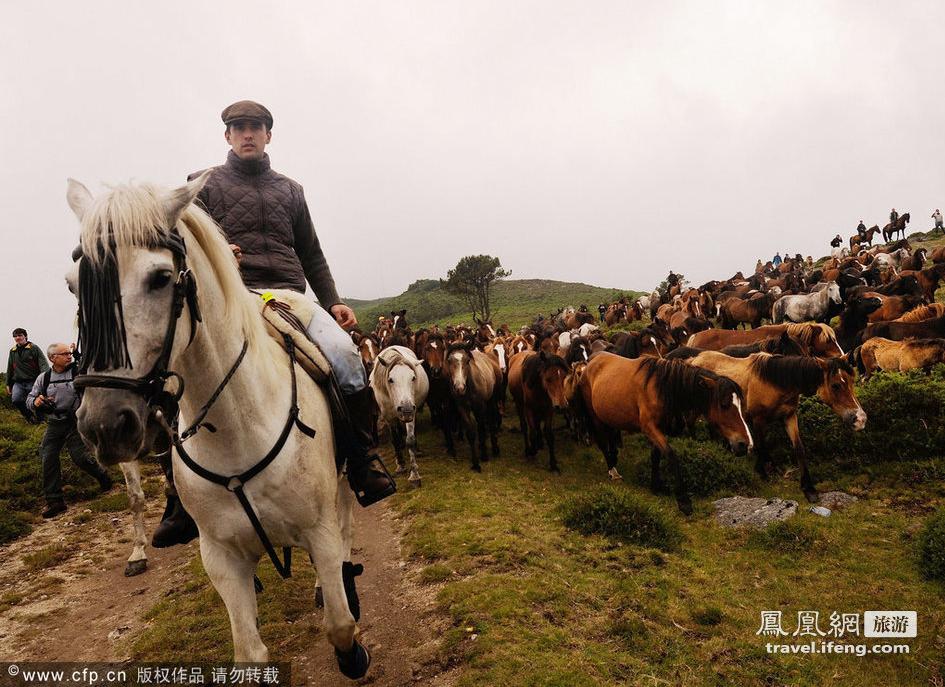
340,350
59,434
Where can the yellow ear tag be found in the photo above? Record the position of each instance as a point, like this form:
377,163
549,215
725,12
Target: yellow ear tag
266,296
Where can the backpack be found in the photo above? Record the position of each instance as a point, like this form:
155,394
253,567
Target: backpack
42,411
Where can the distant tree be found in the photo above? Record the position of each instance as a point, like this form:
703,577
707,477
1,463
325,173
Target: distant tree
472,279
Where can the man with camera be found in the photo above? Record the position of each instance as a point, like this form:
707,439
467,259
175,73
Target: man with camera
54,397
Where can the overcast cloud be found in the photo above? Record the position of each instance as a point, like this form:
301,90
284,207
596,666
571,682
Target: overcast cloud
602,142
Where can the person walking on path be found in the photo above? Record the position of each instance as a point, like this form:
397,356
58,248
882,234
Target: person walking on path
53,396
25,363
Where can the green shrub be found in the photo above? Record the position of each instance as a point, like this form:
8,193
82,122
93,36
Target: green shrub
905,420
707,468
12,526
617,514
708,615
931,547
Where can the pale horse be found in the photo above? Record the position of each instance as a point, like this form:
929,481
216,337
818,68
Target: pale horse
148,257
400,387
804,308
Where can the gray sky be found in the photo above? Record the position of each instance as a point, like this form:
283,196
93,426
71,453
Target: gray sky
603,142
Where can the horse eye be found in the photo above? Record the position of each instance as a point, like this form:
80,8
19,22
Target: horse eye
836,386
390,380
159,280
413,378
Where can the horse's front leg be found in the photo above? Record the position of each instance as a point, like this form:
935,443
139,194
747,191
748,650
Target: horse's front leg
232,577
468,426
550,439
397,439
138,561
481,421
659,440
327,548
794,434
412,448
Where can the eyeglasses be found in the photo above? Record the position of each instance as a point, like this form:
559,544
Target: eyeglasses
68,353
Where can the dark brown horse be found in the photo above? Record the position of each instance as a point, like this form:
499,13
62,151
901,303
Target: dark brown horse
897,227
536,382
773,386
655,397
750,311
900,331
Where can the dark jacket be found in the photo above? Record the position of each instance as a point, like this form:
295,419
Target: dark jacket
25,363
836,241
265,214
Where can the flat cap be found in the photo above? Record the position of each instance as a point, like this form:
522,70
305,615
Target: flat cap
247,109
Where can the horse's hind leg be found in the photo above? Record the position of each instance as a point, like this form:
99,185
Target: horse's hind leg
232,577
550,439
761,449
138,561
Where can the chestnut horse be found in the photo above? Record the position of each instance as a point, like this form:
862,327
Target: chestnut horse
898,356
654,397
536,382
819,339
773,385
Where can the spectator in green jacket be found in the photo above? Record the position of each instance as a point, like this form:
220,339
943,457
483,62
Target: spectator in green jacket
25,364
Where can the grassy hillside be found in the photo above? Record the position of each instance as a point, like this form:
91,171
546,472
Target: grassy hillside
515,302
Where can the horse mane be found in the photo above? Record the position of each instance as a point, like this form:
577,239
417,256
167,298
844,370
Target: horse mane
683,389
808,332
134,215
792,372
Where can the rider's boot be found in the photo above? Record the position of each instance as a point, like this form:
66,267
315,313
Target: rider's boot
176,526
367,474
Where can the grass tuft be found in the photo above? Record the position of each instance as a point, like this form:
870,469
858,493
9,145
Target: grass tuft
48,557
620,515
931,547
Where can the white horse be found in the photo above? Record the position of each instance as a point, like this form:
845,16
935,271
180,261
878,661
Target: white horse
148,256
803,308
400,387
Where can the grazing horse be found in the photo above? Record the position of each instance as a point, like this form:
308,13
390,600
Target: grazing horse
819,339
806,307
147,255
897,227
772,386
898,356
473,377
536,382
655,397
400,387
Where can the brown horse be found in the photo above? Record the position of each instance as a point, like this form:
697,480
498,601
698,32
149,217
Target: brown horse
893,307
819,339
897,227
898,356
924,312
615,313
773,385
368,348
536,382
474,377
855,240
653,397
928,279
899,331
442,413
751,311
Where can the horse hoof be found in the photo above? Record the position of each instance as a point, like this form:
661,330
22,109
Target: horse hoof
319,598
353,664
136,567
685,507
812,496
415,483
477,468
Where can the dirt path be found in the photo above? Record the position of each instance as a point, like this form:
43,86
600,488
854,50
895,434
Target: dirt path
77,607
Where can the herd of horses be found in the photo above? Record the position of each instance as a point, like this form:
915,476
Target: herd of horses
173,339
739,353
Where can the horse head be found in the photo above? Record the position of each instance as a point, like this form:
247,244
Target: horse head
726,413
399,369
552,371
132,284
837,391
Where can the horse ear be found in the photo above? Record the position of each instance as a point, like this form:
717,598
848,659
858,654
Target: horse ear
78,197
177,200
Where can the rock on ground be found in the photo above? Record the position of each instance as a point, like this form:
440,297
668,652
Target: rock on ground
737,511
836,500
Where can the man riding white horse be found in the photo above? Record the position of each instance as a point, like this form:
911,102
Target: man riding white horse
266,220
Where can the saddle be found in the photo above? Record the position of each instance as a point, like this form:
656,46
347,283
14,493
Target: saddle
288,313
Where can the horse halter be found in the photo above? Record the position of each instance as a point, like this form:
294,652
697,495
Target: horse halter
151,385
